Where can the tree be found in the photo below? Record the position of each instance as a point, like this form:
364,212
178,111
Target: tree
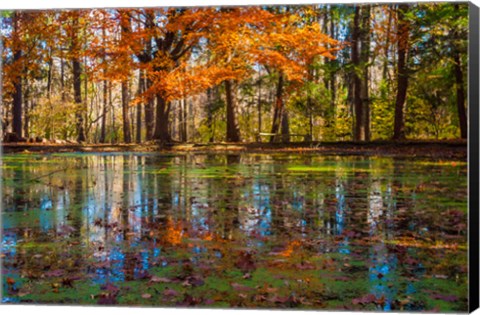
227,73
360,60
459,86
403,30
75,56
17,61
125,25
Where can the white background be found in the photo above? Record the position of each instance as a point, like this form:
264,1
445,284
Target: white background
64,310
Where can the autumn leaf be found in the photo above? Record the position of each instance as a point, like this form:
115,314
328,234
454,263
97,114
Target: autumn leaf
156,279
170,293
240,287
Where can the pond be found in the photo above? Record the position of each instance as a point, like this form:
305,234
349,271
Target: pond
240,230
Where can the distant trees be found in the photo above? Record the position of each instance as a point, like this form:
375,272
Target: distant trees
323,72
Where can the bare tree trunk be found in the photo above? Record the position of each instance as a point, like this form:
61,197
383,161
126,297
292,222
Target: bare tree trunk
26,131
357,96
77,83
62,76
127,138
462,115
310,118
333,84
387,44
364,56
150,102
124,30
17,95
2,123
141,82
105,92
149,112
233,132
285,126
49,74
210,92
161,120
104,112
277,113
259,107
112,108
402,71
183,120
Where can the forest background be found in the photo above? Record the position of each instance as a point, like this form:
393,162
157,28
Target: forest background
316,73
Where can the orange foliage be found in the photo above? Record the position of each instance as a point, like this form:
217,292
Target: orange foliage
174,233
228,43
291,247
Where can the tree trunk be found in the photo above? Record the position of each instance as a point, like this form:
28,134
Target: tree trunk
110,102
2,123
62,77
105,92
210,93
357,96
310,118
17,95
387,45
183,120
150,101
26,131
285,127
402,71
149,111
462,115
364,57
161,120
141,82
78,100
104,112
124,30
259,107
127,138
233,132
49,74
277,113
333,84
77,83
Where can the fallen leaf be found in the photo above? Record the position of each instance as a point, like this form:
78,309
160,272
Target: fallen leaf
10,281
170,292
54,273
156,279
369,298
447,298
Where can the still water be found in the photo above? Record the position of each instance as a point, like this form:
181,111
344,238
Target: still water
246,230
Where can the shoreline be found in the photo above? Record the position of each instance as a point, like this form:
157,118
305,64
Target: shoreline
451,149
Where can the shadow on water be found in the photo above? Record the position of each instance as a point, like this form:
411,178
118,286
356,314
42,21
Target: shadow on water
249,230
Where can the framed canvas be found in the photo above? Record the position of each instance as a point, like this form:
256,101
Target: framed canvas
269,156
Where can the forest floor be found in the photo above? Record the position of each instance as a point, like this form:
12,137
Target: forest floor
456,149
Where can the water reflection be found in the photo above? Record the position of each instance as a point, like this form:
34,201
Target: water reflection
118,212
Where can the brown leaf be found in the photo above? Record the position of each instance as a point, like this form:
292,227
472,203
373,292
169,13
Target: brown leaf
245,262
156,279
170,292
369,298
240,287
